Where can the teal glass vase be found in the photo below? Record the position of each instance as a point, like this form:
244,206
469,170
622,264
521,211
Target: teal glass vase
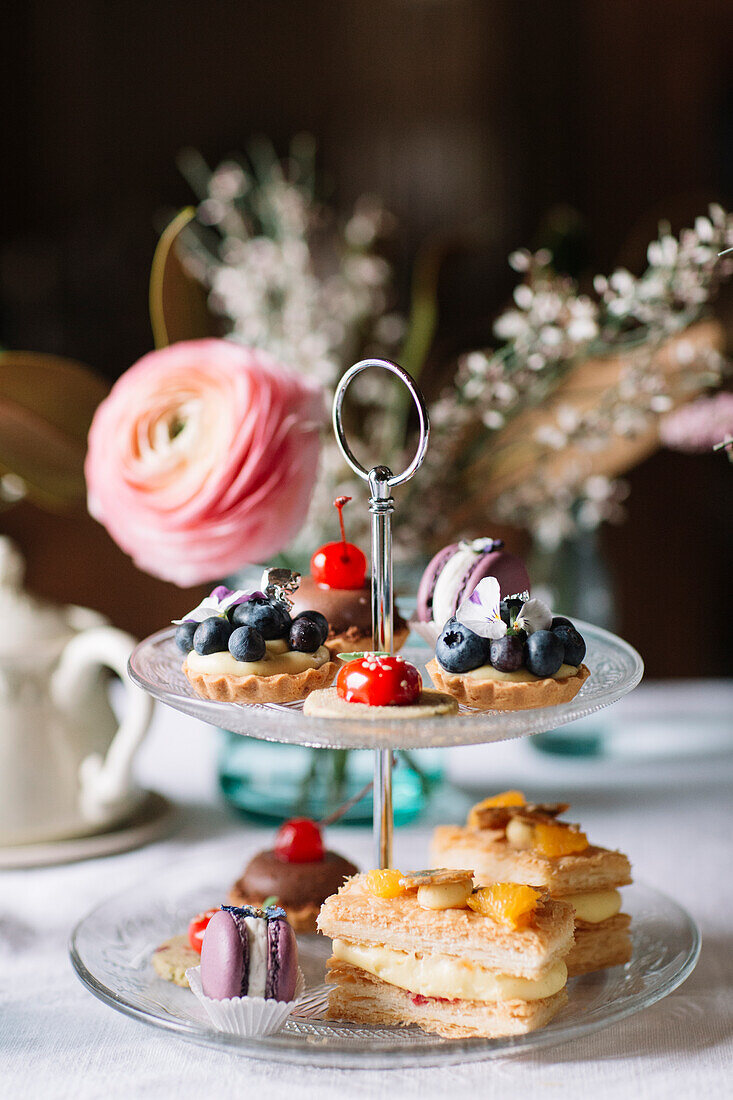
273,782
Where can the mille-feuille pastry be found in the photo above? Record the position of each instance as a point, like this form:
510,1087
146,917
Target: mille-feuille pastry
244,647
298,873
508,654
338,587
505,839
426,949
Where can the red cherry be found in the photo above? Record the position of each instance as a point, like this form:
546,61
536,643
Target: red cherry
197,927
339,564
299,841
379,682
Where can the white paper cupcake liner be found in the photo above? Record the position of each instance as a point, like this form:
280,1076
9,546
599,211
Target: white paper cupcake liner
245,1016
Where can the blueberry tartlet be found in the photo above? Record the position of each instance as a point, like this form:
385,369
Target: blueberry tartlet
245,647
508,654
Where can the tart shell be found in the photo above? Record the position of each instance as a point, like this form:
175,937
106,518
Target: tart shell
350,641
284,687
505,695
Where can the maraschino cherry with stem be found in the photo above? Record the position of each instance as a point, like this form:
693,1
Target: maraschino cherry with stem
339,564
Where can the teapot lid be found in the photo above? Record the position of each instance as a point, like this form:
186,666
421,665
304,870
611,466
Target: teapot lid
30,625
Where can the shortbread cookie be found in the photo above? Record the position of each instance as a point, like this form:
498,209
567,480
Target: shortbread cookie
491,694
328,704
173,958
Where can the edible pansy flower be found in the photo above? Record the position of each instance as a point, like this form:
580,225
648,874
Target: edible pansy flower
481,612
216,603
533,615
481,546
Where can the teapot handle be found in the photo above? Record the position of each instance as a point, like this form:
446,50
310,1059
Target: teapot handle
106,786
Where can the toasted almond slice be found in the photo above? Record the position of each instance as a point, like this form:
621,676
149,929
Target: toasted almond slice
490,817
434,876
545,809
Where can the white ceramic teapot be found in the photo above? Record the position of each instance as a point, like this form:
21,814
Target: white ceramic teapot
65,760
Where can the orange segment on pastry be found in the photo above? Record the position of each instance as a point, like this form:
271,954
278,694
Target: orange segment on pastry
557,840
386,883
508,903
506,798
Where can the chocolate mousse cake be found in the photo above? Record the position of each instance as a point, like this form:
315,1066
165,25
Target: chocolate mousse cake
349,614
339,588
299,872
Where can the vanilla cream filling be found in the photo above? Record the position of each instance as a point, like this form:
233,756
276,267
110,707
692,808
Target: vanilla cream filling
449,578
277,660
521,676
595,906
257,940
444,976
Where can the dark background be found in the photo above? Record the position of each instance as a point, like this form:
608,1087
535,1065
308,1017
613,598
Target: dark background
469,117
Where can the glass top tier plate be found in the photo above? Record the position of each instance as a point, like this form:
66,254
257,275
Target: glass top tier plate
616,668
111,950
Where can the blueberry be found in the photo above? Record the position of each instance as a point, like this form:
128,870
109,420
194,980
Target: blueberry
184,636
543,653
573,642
507,653
559,620
459,649
268,616
316,617
305,635
247,644
212,635
509,609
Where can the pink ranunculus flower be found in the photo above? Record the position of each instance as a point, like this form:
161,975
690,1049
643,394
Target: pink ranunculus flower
203,458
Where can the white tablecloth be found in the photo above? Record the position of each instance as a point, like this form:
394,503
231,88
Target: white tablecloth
675,819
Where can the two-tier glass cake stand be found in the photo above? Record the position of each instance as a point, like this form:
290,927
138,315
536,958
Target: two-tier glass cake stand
112,945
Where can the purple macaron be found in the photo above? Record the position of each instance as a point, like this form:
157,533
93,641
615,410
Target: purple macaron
249,952
485,558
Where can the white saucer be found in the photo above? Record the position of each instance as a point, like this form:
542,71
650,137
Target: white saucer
152,818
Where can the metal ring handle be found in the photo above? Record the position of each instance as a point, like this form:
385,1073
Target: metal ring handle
422,412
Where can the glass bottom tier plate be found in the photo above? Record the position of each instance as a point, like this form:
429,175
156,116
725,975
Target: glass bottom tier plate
111,949
615,666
